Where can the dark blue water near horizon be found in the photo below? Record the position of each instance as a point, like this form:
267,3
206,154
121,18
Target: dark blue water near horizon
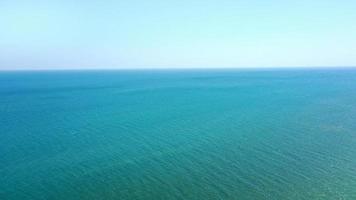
178,134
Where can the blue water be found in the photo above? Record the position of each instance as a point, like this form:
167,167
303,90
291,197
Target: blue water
178,134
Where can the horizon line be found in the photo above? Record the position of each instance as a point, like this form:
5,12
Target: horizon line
179,68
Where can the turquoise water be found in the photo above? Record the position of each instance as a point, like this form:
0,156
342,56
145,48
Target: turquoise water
194,134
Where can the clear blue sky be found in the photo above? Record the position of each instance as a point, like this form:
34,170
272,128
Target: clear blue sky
176,33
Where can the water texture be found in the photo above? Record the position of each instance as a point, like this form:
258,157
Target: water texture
178,134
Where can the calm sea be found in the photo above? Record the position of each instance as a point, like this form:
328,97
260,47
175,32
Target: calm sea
178,134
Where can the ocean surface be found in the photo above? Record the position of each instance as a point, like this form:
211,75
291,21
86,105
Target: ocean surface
178,134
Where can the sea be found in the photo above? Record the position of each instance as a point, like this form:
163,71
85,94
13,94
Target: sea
254,134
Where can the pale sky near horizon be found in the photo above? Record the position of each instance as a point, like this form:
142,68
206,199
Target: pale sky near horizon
63,34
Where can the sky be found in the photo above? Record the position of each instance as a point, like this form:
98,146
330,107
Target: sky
67,34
